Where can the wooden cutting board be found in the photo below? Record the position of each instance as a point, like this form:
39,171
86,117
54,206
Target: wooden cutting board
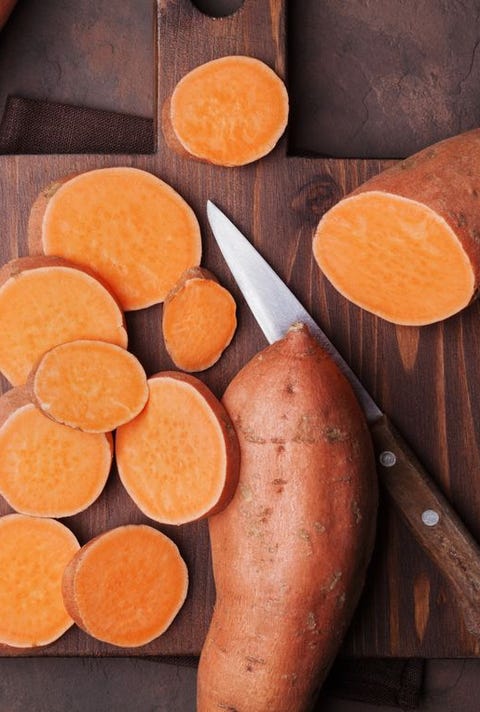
426,379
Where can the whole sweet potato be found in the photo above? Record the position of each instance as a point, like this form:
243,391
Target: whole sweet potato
291,549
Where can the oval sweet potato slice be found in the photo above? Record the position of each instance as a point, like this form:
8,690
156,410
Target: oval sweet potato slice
33,555
178,459
126,586
199,320
48,469
91,385
45,301
130,227
230,111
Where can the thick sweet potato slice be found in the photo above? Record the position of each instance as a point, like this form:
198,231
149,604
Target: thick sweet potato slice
45,301
133,229
179,458
91,385
47,469
406,244
126,586
33,555
199,320
230,111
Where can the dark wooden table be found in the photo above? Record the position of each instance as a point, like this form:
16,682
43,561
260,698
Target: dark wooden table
109,48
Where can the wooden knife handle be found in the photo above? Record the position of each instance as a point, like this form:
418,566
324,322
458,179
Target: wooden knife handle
432,520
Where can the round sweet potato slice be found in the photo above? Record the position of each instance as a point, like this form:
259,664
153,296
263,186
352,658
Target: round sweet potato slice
178,459
127,225
199,320
45,301
33,555
230,111
48,469
91,385
126,586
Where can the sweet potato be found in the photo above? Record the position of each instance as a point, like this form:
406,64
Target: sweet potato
290,551
127,225
179,458
199,320
33,555
91,385
45,301
126,586
47,469
406,244
230,111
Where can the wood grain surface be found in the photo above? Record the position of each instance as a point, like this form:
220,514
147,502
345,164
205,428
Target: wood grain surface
425,379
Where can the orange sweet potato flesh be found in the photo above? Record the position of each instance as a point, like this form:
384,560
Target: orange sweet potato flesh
406,244
33,555
48,469
290,551
126,586
126,224
91,385
199,320
178,459
45,301
230,111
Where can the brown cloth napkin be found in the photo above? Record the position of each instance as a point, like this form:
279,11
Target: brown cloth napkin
31,126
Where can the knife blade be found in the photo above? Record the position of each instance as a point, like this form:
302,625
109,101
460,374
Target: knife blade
426,511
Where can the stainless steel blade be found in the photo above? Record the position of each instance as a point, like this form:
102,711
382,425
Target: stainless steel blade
272,303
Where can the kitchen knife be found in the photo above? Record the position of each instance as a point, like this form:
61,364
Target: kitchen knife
423,507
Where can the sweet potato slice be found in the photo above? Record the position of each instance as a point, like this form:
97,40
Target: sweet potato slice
199,320
126,586
91,385
230,111
33,555
405,245
47,469
179,458
133,229
45,301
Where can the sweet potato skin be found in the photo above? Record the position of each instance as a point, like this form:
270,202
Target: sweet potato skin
291,550
444,177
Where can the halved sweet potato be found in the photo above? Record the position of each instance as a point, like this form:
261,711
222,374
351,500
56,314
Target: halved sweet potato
33,555
179,458
405,245
126,586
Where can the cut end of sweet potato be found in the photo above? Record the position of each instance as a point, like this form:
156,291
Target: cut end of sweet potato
126,224
199,320
33,556
91,385
45,301
47,469
394,257
179,459
126,586
230,111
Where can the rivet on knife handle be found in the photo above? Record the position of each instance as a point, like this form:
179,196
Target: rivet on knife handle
431,519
